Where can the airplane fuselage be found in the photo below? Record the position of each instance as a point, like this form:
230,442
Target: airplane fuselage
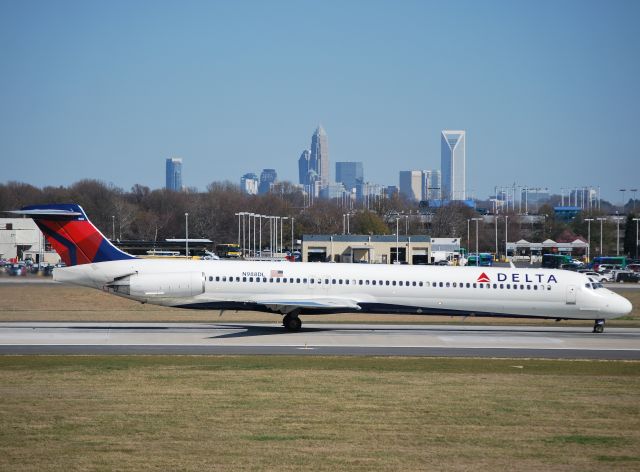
316,288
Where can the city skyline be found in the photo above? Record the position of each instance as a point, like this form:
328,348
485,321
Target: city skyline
540,89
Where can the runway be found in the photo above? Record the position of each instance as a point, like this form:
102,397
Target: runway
319,339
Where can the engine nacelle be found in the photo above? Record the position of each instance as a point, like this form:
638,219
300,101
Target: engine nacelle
164,285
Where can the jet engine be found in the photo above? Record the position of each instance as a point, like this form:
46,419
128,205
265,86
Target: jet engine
164,285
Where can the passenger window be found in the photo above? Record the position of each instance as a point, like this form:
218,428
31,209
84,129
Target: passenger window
333,281
366,282
501,285
244,279
413,283
271,280
508,286
441,285
359,282
495,286
210,279
447,284
304,281
224,278
528,287
393,282
480,285
521,286
297,281
326,281
400,283
386,282
455,284
346,281
373,282
535,287
548,287
250,279
468,285
340,281
420,283
475,285
284,280
264,279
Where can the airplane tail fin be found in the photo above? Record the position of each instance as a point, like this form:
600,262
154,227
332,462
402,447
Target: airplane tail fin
72,235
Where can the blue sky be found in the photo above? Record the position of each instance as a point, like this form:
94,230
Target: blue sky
547,90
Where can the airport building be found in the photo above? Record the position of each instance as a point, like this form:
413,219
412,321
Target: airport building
20,239
174,174
452,164
373,249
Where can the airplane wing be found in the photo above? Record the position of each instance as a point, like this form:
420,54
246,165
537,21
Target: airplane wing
277,304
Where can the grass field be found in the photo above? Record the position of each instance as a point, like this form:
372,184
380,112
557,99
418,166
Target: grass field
288,413
57,302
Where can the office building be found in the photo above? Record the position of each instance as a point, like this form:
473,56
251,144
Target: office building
268,177
303,167
249,184
452,164
349,174
431,185
174,174
411,184
319,158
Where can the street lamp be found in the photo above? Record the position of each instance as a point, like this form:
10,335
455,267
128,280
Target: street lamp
292,221
601,220
618,218
113,227
506,238
636,220
495,219
186,235
588,220
281,233
477,253
397,241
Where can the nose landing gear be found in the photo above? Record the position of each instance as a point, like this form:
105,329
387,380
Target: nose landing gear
598,326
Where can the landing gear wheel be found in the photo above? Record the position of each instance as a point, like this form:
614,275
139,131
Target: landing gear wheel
598,327
292,323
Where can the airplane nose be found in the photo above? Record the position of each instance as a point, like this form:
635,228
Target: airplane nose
619,306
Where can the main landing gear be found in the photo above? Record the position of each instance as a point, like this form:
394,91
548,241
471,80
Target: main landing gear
291,321
598,327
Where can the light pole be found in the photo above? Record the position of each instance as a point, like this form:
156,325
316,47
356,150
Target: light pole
477,253
506,236
406,225
618,218
636,220
601,220
238,215
186,235
113,227
281,233
588,220
397,242
468,237
292,221
495,219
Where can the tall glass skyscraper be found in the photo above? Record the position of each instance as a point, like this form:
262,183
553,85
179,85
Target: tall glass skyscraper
349,174
174,174
303,167
268,177
319,160
411,184
452,164
431,185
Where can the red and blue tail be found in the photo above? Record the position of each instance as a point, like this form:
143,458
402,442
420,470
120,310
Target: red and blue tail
72,235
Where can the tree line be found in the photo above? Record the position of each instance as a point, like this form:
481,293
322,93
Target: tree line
145,214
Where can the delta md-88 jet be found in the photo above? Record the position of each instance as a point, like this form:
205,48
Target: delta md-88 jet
291,289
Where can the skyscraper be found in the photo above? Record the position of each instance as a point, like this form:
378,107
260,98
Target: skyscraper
349,174
303,167
319,160
267,178
174,174
411,184
452,164
249,183
431,185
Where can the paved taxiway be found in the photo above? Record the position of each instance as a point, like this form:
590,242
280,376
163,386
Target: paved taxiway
319,339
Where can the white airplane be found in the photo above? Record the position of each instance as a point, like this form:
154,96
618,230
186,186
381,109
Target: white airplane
291,289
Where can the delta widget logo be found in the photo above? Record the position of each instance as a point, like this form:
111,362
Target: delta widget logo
483,278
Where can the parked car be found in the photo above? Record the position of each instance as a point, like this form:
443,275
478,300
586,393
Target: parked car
594,275
633,267
16,270
626,276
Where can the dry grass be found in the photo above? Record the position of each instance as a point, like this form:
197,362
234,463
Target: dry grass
281,413
54,302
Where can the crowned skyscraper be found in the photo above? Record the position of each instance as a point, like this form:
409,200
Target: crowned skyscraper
319,160
452,164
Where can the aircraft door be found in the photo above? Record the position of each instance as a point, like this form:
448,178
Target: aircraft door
571,295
